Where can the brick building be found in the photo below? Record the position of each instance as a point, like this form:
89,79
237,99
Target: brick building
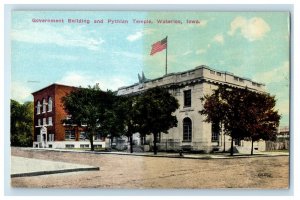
49,129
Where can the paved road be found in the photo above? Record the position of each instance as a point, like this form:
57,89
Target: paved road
127,171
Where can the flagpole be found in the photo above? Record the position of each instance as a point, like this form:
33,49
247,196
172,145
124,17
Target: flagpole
167,55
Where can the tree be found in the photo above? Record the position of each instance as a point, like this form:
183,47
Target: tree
244,114
127,110
263,121
114,119
89,106
153,112
21,124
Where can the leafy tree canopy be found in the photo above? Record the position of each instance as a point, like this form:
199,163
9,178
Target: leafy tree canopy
154,112
21,123
244,113
89,106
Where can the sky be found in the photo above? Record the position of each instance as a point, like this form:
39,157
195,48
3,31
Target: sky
253,45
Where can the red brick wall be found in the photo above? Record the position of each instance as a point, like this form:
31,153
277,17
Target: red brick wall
60,113
56,92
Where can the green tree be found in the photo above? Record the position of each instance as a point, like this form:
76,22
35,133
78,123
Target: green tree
114,120
89,106
243,113
154,112
263,120
21,124
127,110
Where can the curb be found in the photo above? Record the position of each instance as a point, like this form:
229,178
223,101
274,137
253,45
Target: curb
204,157
53,172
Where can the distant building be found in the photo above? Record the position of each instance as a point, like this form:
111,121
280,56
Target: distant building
49,129
188,87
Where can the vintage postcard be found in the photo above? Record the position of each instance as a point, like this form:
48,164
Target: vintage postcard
150,100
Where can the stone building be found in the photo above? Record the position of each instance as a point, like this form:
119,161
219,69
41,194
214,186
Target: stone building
49,129
188,87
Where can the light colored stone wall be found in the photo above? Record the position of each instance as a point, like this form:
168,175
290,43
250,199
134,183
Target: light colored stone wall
201,81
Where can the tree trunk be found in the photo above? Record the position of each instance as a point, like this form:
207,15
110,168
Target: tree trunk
251,147
92,140
231,149
131,144
224,143
111,141
154,143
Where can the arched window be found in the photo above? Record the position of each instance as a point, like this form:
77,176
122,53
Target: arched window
187,129
38,107
44,105
49,104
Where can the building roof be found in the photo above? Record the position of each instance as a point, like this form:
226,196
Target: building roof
52,85
200,73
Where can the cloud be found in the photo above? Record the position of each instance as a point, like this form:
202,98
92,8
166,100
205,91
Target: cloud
283,106
61,36
203,23
277,83
200,51
61,57
187,53
139,34
277,75
128,54
20,92
135,36
84,79
253,29
219,39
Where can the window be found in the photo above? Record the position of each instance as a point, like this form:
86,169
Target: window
50,121
44,122
98,146
236,78
98,136
187,98
44,105
187,129
51,137
212,72
38,108
215,131
39,122
219,74
83,136
49,104
69,135
84,146
70,146
237,142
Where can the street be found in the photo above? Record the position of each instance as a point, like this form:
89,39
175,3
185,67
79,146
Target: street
126,171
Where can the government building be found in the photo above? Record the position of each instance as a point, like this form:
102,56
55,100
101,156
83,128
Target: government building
188,87
191,133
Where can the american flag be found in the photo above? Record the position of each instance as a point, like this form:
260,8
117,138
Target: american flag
159,46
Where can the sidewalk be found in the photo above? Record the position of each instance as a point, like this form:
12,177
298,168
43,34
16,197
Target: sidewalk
174,155
21,167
